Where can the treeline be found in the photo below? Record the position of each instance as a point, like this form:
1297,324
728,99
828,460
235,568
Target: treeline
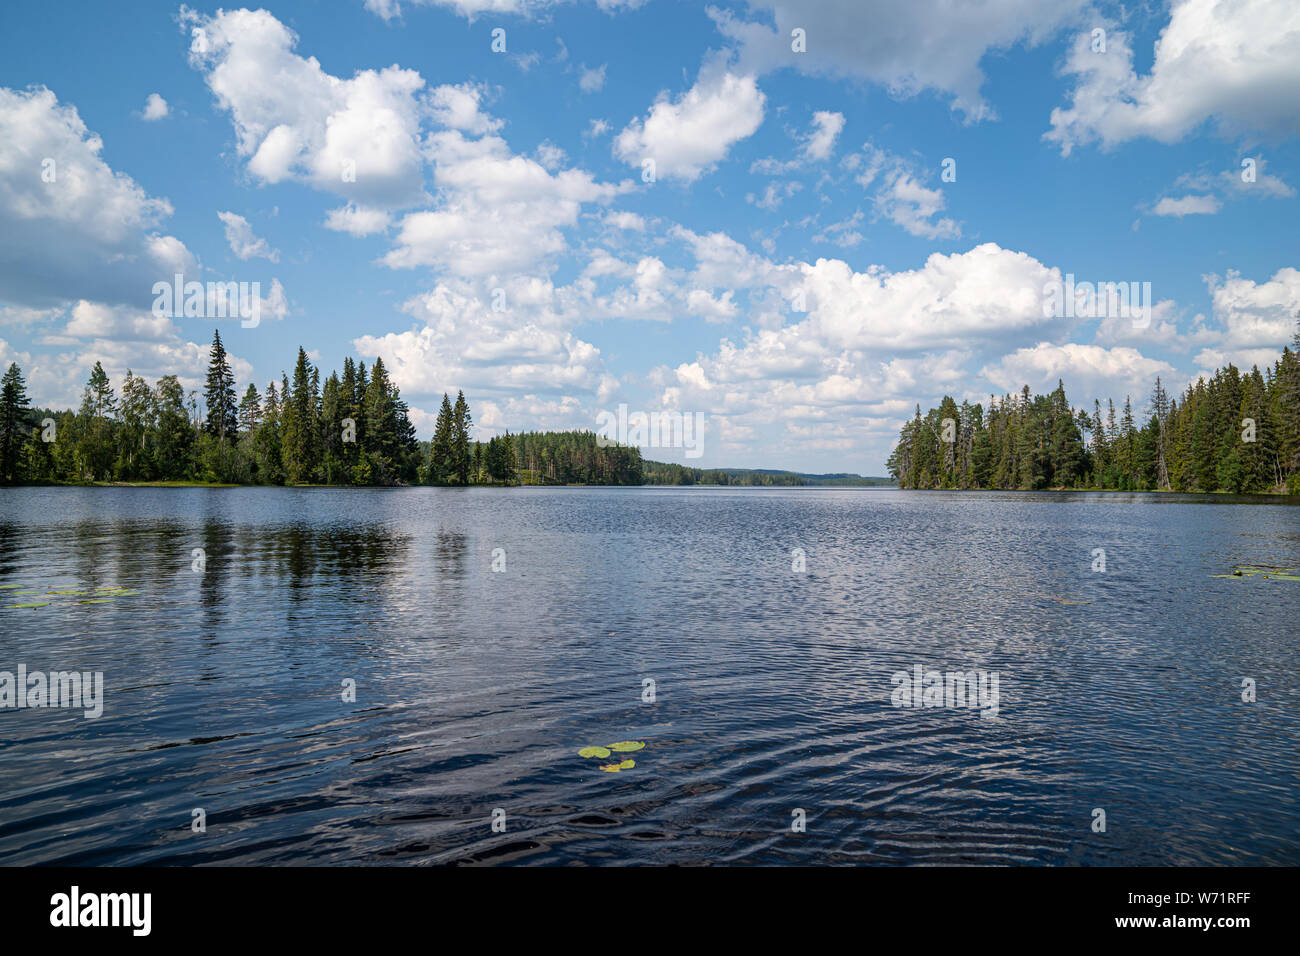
351,428
348,429
1238,432
665,473
575,458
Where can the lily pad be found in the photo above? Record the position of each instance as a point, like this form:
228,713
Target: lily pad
1249,571
627,764
627,746
593,752
97,601
31,604
611,767
6,587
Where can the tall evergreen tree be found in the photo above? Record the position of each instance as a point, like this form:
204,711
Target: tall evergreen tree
441,464
219,393
250,409
462,421
300,435
14,406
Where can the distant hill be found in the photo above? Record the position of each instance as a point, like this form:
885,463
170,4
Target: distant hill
664,473
577,458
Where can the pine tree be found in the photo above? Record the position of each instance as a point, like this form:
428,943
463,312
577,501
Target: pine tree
1160,409
250,409
300,435
440,449
219,394
462,421
267,440
14,406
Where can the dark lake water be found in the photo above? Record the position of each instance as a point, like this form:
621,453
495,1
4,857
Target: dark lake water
773,689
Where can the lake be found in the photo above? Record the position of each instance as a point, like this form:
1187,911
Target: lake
771,730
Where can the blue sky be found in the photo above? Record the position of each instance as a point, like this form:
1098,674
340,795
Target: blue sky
781,179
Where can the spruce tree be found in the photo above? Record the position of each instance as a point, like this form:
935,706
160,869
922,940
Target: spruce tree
250,409
462,421
219,394
14,406
440,449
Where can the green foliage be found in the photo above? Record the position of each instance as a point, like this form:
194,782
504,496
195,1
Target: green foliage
296,434
13,423
1204,443
576,457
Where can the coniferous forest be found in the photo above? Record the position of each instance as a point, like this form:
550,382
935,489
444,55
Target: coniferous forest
349,429
1237,432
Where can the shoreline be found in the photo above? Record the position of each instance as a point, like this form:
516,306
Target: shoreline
1282,495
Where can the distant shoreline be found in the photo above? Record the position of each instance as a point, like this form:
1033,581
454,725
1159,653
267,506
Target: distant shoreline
1281,495
220,484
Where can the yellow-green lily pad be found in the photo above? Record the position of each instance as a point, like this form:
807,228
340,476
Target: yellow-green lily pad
593,752
611,767
626,746
32,604
627,764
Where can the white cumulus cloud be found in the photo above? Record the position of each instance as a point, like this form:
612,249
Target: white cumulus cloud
689,135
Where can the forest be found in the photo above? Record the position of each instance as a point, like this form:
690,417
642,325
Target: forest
1238,432
348,429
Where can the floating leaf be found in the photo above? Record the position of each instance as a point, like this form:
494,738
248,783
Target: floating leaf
6,587
1267,573
97,601
626,746
593,752
611,767
32,604
628,764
